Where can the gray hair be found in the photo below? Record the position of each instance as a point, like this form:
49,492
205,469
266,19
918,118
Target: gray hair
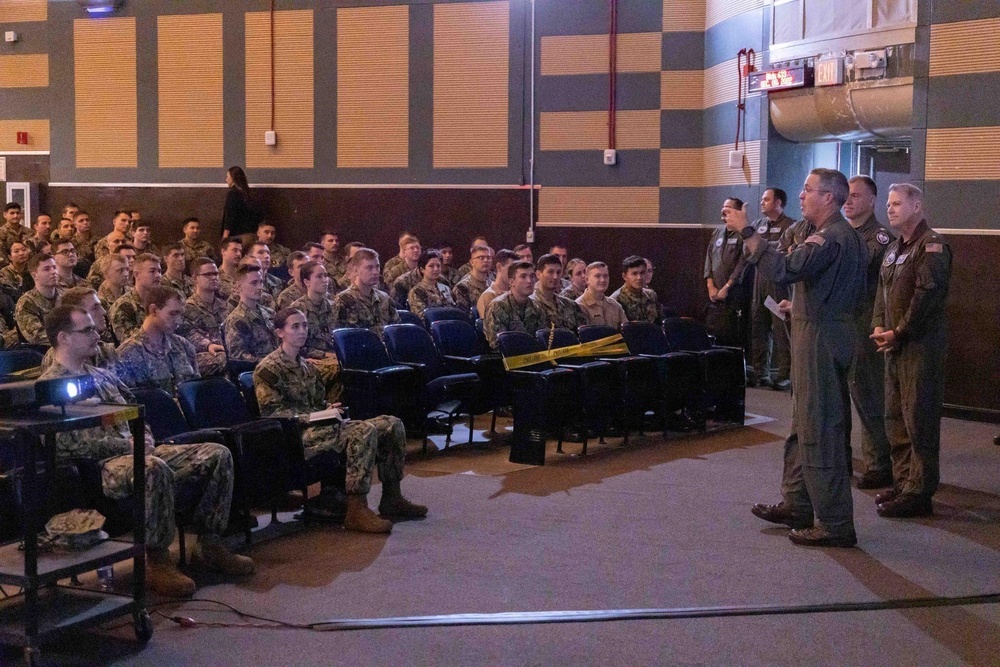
834,182
911,191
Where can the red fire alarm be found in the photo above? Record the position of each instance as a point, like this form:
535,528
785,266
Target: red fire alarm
22,138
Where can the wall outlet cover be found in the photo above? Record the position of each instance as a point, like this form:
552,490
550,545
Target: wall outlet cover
10,36
610,157
530,236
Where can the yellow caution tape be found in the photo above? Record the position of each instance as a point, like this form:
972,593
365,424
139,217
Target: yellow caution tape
609,345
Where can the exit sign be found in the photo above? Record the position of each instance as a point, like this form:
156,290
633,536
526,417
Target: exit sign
829,72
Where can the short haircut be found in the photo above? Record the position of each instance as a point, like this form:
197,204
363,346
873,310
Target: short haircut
189,220
125,246
244,270
171,247
443,245
74,296
362,255
296,256
37,259
861,178
353,244
60,320
70,205
35,223
281,317
479,248
117,213
557,245
835,182
261,244
328,233
307,269
265,223
596,265
160,296
140,223
426,256
572,264
57,241
519,266
146,258
228,241
11,206
505,256
633,262
312,245
195,267
547,259
523,246
779,194
78,213
409,239
911,191
736,200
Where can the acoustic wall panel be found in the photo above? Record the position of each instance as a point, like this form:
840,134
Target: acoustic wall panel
292,100
589,54
471,84
683,15
707,167
717,11
962,153
190,90
27,71
965,47
682,89
588,130
38,135
105,91
373,86
22,11
604,207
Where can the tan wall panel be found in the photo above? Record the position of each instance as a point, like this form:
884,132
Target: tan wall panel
18,11
706,167
717,11
38,135
962,153
598,206
588,130
682,89
588,54
471,84
720,83
966,47
293,86
683,15
373,86
28,71
190,90
106,131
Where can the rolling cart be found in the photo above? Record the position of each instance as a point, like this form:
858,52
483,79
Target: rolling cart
44,608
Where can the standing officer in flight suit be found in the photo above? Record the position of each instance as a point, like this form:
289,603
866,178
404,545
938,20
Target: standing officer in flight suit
769,337
829,269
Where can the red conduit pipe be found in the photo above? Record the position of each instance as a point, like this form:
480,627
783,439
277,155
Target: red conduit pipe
613,73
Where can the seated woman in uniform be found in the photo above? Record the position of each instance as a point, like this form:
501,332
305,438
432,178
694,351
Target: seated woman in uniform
286,385
429,293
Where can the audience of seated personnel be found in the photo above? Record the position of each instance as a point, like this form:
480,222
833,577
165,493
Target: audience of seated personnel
409,253
64,252
231,252
272,284
500,284
194,247
120,224
85,297
128,312
249,328
332,260
174,270
514,310
116,275
179,478
430,292
37,302
467,267
363,305
15,278
288,385
266,232
83,238
449,274
595,304
205,312
12,231
40,230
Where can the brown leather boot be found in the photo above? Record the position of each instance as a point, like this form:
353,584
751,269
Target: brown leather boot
163,577
361,519
213,555
394,506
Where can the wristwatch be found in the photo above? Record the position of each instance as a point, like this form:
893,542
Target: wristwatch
747,232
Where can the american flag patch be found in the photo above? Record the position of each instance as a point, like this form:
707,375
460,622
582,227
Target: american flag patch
934,247
817,239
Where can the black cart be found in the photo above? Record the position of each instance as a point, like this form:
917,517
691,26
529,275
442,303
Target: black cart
45,609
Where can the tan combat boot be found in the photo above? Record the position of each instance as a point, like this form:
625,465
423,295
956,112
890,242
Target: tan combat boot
163,577
361,519
394,506
213,555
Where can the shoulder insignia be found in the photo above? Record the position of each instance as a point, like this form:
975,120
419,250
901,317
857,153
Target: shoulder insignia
934,247
718,242
890,257
882,237
267,376
817,239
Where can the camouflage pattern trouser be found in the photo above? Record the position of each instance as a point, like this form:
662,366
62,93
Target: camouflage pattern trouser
179,478
210,365
329,371
381,440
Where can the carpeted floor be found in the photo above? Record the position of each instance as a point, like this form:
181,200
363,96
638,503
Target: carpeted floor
654,525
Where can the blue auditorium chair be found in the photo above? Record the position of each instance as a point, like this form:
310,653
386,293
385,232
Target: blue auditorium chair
373,384
465,351
723,368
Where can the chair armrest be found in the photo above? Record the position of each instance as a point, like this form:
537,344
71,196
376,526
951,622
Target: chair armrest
195,437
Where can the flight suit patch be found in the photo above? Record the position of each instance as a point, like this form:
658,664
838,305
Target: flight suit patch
817,239
889,259
902,258
934,247
882,238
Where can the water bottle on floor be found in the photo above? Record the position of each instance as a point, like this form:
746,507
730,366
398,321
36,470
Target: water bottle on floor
106,578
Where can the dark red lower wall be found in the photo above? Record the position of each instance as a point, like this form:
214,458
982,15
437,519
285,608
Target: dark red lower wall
376,216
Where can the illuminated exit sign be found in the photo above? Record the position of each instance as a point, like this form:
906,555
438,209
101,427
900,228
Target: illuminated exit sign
779,79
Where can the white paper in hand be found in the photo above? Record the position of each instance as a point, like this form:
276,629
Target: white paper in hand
772,305
326,415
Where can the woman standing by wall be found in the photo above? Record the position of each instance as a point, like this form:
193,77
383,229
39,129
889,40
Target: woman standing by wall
239,216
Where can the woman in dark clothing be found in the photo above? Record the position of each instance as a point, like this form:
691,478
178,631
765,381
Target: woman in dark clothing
239,216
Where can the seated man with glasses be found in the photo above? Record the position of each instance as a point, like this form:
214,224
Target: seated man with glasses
468,290
66,258
205,311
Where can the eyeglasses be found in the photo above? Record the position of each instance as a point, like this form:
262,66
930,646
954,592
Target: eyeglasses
481,257
70,251
210,274
86,330
808,190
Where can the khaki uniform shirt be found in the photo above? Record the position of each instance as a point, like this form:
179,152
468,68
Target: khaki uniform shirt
605,310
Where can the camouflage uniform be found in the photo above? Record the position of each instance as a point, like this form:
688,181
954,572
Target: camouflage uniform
107,294
193,251
449,275
151,248
73,281
250,333
400,290
185,285
286,387
202,326
178,477
392,270
35,244
571,293
288,296
421,298
12,282
463,271
11,235
30,314
558,310
126,314
266,300
85,246
102,248
351,309
336,268
319,319
279,254
8,337
506,314
467,290
106,358
638,306
273,285
227,285
142,367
